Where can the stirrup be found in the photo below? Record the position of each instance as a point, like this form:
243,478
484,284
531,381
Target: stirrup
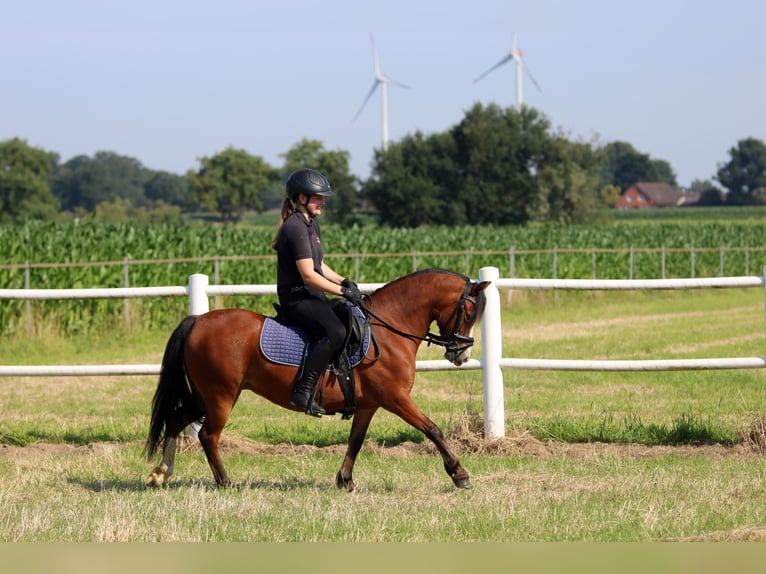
312,408
315,410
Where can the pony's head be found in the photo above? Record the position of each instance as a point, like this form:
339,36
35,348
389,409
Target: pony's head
456,330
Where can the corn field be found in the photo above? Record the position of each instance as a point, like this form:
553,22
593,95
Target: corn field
89,255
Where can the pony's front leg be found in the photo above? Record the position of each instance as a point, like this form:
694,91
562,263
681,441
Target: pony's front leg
359,426
405,408
452,465
165,469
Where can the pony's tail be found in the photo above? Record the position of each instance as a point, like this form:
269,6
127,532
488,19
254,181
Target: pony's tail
173,394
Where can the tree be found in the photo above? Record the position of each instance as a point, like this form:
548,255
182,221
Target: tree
623,166
710,194
121,210
745,172
497,166
609,195
168,188
415,182
334,165
567,181
663,172
498,154
25,191
83,182
231,182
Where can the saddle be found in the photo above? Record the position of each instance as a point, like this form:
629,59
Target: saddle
286,344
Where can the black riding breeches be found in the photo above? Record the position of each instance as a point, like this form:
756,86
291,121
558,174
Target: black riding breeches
317,318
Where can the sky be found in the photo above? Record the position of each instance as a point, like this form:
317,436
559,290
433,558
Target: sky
171,81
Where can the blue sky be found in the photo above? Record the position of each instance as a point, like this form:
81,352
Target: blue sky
168,82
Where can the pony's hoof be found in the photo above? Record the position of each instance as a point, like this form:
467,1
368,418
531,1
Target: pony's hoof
155,480
342,484
463,483
158,476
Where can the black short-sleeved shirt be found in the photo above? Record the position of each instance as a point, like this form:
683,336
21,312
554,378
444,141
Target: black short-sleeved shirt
298,239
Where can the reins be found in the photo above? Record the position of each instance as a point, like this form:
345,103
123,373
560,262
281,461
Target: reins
432,338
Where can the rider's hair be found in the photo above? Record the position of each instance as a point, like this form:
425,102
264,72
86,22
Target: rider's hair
289,206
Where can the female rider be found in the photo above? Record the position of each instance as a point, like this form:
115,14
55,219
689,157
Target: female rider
304,280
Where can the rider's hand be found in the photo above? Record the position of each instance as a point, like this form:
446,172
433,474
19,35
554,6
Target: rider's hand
350,291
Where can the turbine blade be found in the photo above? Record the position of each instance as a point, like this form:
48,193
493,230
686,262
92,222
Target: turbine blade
531,77
395,83
505,60
367,99
378,74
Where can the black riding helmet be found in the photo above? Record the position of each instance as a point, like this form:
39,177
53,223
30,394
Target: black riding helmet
309,182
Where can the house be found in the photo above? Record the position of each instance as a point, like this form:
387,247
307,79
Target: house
644,194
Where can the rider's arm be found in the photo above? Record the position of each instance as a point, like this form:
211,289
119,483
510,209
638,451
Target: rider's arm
330,274
317,281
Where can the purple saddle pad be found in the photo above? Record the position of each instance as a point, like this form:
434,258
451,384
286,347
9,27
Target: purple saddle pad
284,344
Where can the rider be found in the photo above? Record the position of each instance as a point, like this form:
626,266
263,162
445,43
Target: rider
304,280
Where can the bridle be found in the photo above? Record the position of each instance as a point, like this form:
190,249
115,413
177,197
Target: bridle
454,341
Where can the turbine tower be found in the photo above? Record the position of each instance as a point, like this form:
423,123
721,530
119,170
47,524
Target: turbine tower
382,81
518,57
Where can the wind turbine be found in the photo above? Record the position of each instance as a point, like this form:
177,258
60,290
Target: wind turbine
382,81
517,56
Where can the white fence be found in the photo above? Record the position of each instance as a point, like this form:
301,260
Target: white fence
491,363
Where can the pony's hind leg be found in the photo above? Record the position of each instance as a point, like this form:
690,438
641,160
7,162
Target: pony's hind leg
164,470
209,436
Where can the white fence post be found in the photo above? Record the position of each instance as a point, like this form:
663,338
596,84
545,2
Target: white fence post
492,351
198,302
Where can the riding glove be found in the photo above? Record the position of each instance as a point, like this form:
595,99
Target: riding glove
350,291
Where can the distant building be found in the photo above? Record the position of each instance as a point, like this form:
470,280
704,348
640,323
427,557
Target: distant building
643,195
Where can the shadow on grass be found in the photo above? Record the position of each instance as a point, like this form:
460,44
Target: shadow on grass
138,485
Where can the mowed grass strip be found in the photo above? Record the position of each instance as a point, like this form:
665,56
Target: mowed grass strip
96,493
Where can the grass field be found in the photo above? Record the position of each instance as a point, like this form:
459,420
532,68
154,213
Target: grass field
588,456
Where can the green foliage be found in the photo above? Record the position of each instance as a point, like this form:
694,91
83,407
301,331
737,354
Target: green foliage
482,171
622,166
609,195
231,182
334,165
495,167
75,255
121,210
167,188
566,181
24,189
84,182
414,183
745,173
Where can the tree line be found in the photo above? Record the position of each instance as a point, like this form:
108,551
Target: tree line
496,166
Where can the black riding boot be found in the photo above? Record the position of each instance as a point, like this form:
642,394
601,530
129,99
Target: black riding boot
319,355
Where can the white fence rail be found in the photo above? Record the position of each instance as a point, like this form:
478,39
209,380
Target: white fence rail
491,363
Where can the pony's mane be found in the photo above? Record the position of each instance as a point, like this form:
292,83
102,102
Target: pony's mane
481,298
424,272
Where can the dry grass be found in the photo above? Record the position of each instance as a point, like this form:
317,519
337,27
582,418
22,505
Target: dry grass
524,490
754,435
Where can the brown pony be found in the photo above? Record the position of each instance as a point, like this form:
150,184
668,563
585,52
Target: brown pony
211,358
